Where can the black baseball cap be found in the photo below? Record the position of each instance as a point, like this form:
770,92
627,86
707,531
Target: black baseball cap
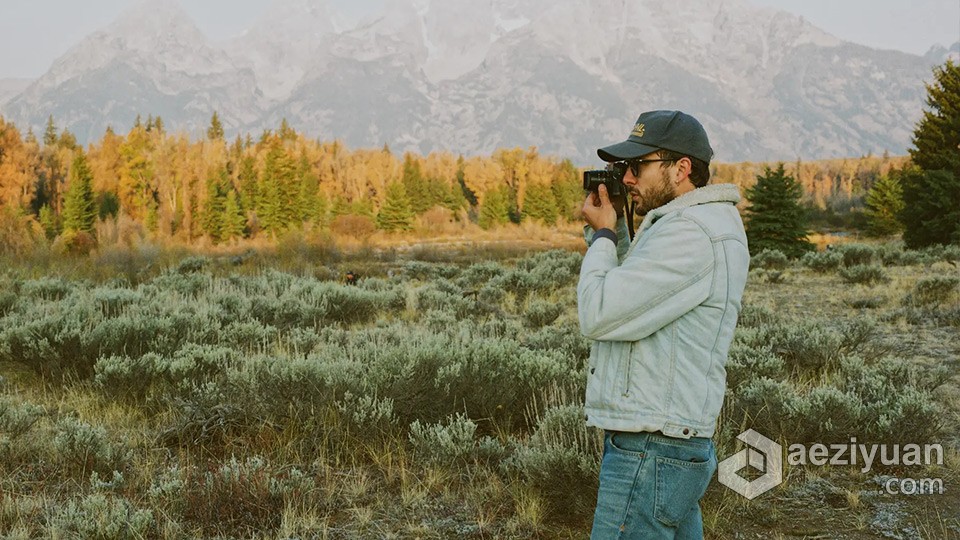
662,130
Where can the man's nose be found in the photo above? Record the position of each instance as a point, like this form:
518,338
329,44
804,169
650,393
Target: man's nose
629,179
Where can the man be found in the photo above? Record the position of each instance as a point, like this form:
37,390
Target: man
662,310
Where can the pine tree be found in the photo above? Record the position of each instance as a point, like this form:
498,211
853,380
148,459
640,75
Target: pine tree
79,207
278,191
776,220
215,131
931,191
212,217
50,134
884,205
247,178
286,133
414,185
234,220
495,208
540,204
49,222
931,212
568,190
396,213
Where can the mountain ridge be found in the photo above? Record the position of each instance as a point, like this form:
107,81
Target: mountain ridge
469,77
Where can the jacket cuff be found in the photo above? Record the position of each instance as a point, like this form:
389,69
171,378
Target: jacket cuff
605,233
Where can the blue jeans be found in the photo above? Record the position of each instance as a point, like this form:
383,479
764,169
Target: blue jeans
651,485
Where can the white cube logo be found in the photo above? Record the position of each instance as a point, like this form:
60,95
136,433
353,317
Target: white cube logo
763,455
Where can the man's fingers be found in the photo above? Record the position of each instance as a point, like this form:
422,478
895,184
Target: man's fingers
604,199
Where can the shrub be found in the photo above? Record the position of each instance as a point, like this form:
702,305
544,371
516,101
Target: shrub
450,442
857,254
934,290
361,227
863,274
766,405
191,265
425,271
239,497
754,316
366,413
84,448
75,243
17,419
564,338
823,262
480,273
562,460
828,415
127,378
541,313
897,399
805,347
770,259
47,288
100,516
746,363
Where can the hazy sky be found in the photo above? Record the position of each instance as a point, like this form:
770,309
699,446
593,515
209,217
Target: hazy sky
33,33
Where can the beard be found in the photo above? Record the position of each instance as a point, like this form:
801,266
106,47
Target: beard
656,196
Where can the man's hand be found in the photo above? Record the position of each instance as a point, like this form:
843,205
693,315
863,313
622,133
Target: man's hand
598,211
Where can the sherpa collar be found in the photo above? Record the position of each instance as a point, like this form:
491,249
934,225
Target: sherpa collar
712,193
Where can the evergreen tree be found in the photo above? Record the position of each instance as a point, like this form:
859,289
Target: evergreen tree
567,188
414,185
884,205
247,178
212,218
215,131
540,204
362,207
931,212
278,191
50,134
49,222
776,220
234,220
286,132
931,192
79,207
396,213
495,209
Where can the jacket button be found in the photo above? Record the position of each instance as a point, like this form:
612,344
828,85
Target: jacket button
586,417
592,370
686,431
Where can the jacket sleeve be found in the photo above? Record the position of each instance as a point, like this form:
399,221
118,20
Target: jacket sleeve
623,236
667,276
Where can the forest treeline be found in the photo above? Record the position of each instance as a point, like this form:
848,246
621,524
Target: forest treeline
174,187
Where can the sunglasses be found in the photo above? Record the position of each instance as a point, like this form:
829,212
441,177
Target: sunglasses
634,164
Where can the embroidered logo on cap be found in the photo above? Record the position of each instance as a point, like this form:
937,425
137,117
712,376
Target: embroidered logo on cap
638,130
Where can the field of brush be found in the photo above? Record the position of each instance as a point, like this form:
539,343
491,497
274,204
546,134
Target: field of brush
153,395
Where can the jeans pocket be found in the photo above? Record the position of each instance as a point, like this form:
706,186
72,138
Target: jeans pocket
630,444
680,485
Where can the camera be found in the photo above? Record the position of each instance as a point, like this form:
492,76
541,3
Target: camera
611,177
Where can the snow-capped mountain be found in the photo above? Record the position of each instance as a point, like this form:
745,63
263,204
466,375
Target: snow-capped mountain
473,75
152,60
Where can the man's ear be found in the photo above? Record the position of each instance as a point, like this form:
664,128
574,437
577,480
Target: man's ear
684,168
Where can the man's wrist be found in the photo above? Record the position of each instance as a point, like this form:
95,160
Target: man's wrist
605,233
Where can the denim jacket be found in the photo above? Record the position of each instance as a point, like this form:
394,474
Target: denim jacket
662,313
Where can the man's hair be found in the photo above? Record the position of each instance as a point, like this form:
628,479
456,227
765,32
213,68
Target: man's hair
699,170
